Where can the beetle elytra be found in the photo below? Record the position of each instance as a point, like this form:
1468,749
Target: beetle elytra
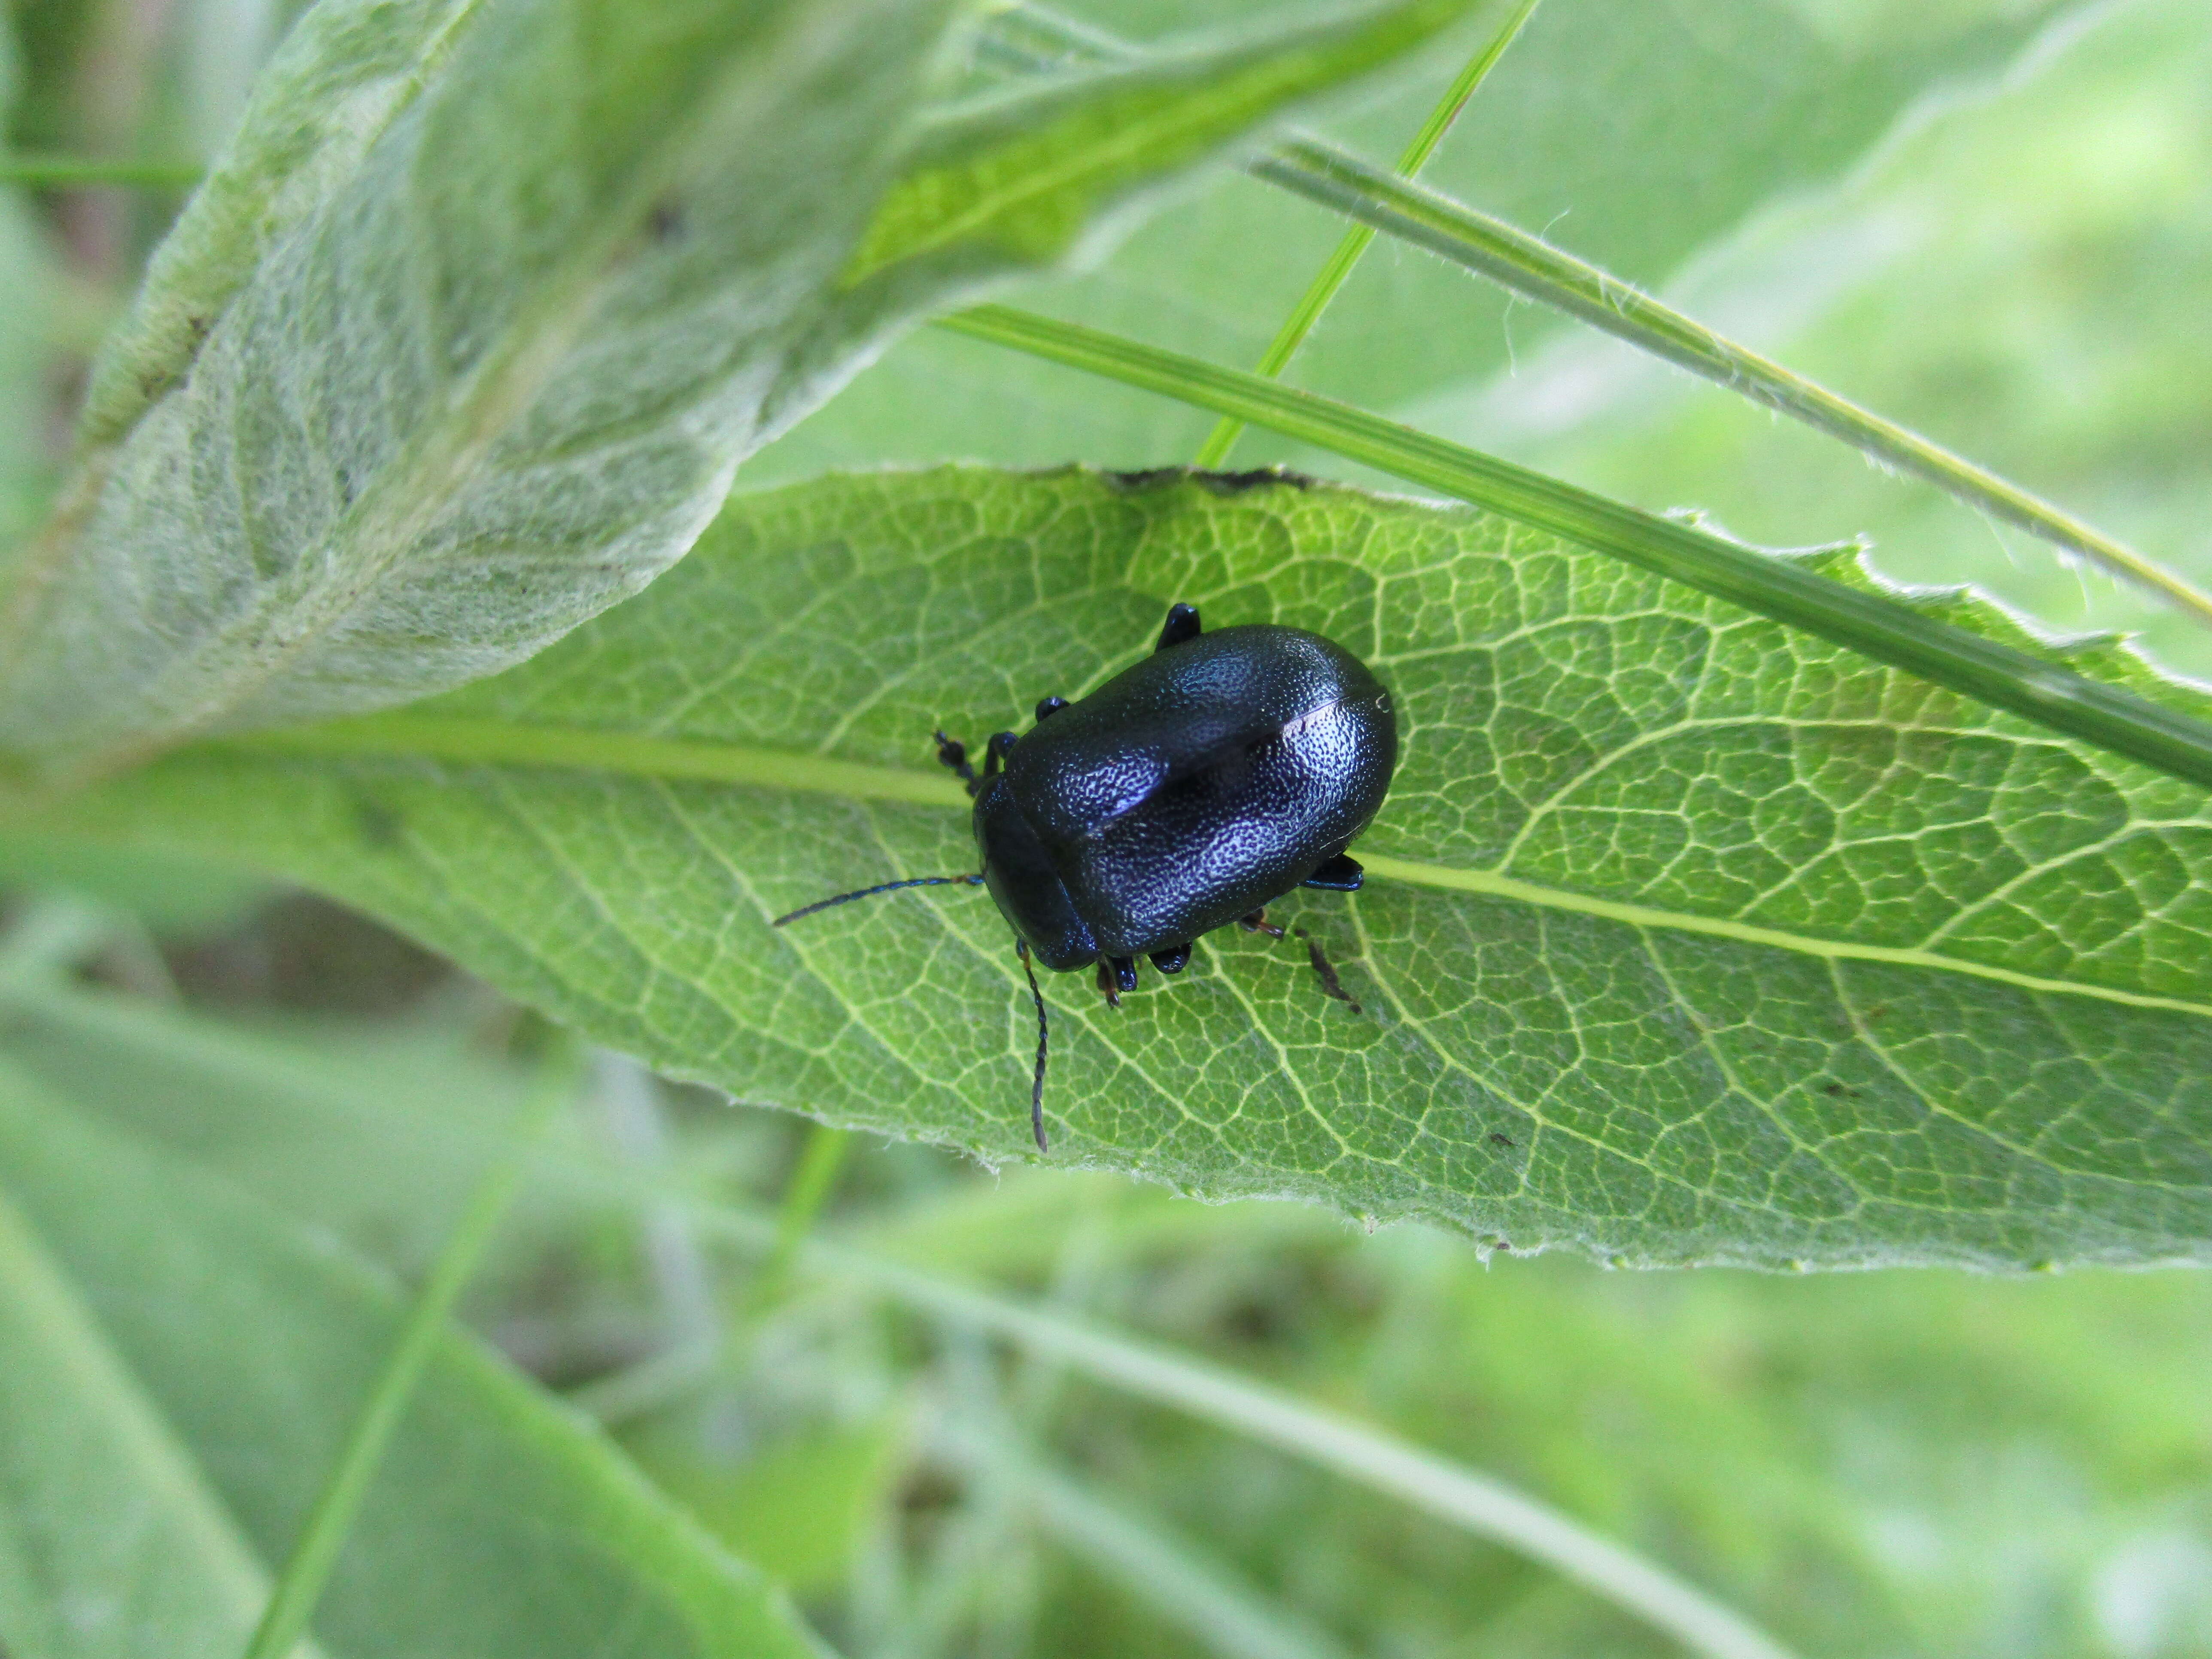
1189,791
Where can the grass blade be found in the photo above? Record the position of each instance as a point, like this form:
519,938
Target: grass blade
1527,265
1172,1575
811,1182
1334,274
300,1585
1871,623
1371,1457
1533,268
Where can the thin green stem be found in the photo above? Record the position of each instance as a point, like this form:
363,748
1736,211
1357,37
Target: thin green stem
1532,267
1175,1576
1871,623
57,171
808,1189
301,1585
1334,274
1529,266
660,1380
1373,1457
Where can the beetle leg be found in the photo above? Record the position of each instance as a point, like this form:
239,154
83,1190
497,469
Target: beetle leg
1050,707
955,755
1337,875
1330,984
995,752
1181,624
1173,960
1257,922
1116,975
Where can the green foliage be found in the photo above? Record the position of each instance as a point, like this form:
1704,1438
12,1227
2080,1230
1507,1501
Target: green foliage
1872,1463
2038,682
1695,938
1635,141
1743,949
427,378
151,1323
2020,282
1018,181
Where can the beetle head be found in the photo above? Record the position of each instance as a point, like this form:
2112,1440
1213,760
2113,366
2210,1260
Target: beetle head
1029,890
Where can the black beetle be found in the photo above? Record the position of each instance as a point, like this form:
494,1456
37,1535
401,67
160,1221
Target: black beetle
1185,794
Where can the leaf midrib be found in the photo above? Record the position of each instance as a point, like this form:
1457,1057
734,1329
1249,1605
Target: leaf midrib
480,741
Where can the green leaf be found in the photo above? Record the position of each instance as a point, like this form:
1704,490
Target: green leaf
28,278
174,895
1691,938
111,1541
340,79
2037,685
798,1509
497,1525
409,397
1018,179
1377,199
372,1139
2016,277
1638,137
1531,267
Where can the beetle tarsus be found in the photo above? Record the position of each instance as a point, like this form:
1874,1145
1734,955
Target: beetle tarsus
1330,984
995,752
953,753
1047,706
1181,625
1173,960
1116,975
1036,1084
1257,922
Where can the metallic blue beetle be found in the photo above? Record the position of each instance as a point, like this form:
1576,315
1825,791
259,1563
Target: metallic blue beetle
1185,794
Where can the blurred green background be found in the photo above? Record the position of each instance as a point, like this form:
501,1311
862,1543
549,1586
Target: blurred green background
1992,221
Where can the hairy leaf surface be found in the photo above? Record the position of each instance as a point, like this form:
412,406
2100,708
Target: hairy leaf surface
1689,937
199,1360
462,343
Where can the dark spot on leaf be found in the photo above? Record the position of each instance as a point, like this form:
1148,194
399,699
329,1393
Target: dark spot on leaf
1497,1139
929,1490
378,825
1832,1088
1876,1011
667,221
1253,1319
1221,483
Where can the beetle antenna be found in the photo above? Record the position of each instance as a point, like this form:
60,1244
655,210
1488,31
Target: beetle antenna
976,880
1036,1087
